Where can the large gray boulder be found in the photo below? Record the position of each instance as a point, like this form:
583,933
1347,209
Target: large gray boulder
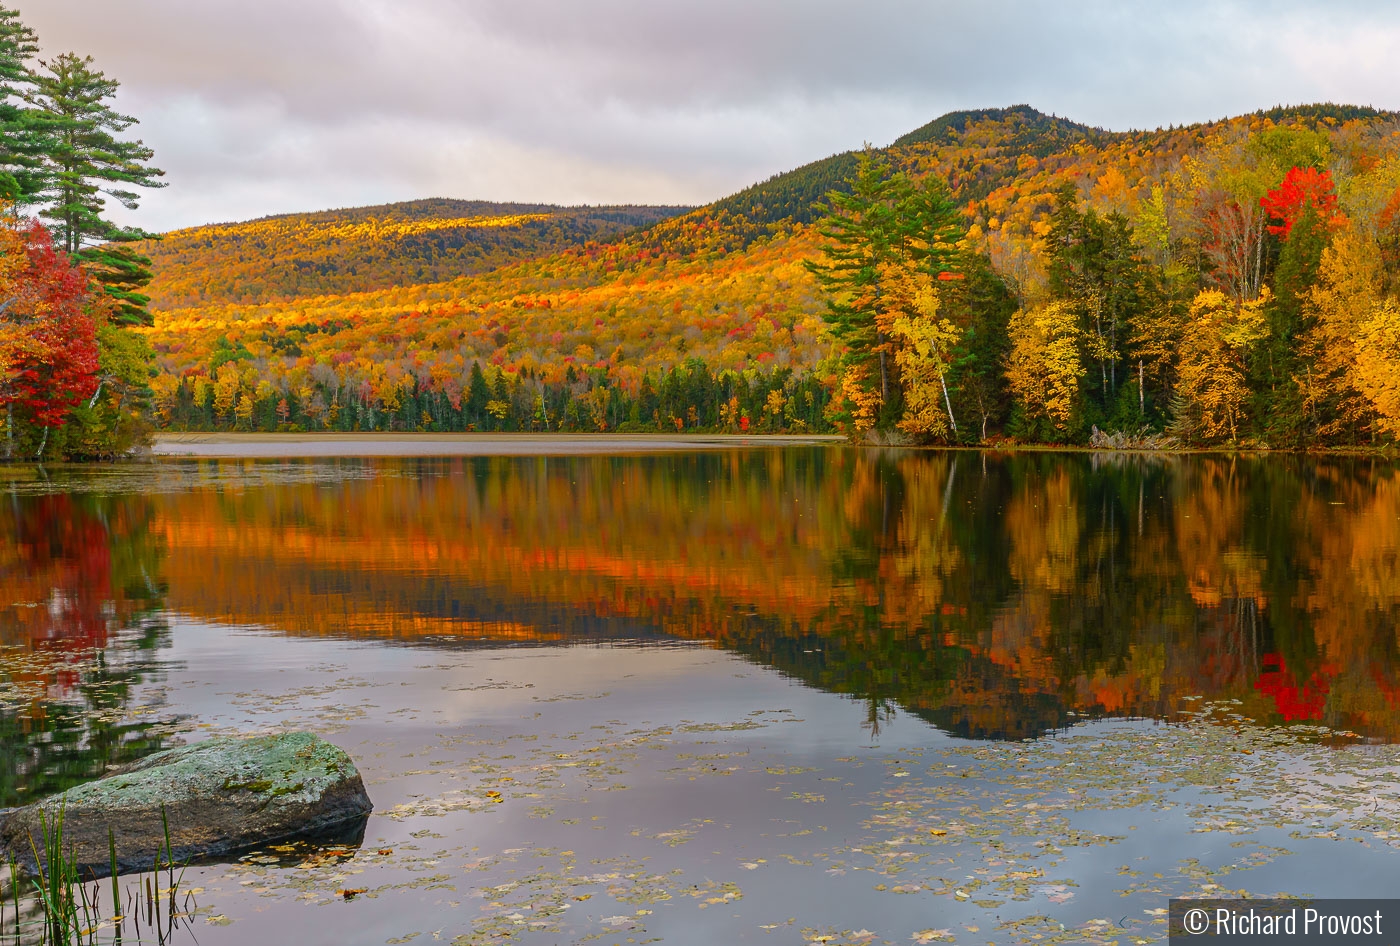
219,797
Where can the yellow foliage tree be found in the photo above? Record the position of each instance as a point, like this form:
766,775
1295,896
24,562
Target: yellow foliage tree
1212,383
166,391
777,400
729,413
862,398
923,347
1345,298
1378,364
1045,365
244,410
226,387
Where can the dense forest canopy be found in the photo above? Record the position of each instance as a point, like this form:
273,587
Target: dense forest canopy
1019,276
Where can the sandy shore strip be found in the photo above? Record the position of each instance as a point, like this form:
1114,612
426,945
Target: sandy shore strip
285,446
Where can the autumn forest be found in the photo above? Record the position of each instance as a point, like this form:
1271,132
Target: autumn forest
997,276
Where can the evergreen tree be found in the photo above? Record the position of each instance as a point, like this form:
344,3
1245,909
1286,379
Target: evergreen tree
25,131
931,228
478,395
864,235
90,164
1279,399
982,305
1095,266
890,244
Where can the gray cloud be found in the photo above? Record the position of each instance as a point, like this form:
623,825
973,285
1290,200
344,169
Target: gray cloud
264,106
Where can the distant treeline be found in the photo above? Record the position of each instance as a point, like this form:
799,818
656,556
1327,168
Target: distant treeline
689,397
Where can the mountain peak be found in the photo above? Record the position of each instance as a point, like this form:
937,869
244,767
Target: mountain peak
1024,118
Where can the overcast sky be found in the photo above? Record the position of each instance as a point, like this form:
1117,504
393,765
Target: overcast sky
257,107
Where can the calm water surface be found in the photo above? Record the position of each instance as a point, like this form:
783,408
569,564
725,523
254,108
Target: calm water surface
782,696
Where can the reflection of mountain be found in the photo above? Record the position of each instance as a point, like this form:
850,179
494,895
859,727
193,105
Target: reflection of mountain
994,596
79,627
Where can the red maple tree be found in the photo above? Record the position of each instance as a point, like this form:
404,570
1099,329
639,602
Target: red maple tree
47,329
1302,188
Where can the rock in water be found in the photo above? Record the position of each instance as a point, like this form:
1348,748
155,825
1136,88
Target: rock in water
219,797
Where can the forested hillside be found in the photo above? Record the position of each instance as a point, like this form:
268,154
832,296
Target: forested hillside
1222,282
278,259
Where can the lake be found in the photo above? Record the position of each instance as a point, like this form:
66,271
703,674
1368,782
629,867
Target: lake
787,694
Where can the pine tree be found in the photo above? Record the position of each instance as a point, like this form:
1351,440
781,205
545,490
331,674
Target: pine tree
1095,266
863,235
91,164
25,131
932,228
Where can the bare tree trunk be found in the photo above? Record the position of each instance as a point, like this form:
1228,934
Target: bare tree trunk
1142,396
1258,259
1098,332
1113,351
948,401
42,444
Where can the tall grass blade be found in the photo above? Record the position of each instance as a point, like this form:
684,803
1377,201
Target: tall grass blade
118,919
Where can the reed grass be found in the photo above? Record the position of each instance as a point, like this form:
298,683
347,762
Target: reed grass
64,910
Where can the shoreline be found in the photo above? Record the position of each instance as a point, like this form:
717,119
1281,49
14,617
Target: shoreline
323,444
332,444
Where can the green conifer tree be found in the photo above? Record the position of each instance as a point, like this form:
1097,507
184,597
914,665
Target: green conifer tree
25,131
864,233
90,163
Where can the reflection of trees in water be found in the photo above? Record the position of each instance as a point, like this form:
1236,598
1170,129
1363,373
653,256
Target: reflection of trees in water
1117,589
81,624
996,595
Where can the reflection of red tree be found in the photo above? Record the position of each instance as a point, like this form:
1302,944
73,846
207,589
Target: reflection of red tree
62,591
1294,701
1388,686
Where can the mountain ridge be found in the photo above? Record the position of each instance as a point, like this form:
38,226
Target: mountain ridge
283,257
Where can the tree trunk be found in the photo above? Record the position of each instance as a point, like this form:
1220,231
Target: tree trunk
42,444
1113,352
9,431
1142,397
949,402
